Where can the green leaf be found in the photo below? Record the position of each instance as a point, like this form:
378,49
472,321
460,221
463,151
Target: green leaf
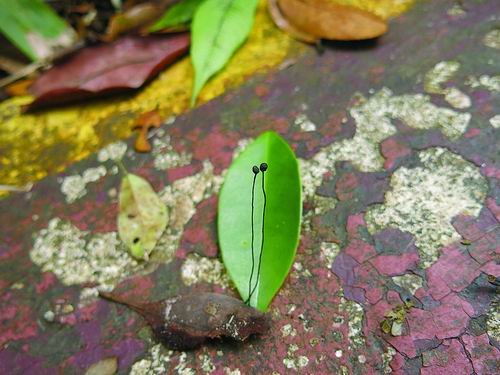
33,27
282,217
178,14
142,217
219,27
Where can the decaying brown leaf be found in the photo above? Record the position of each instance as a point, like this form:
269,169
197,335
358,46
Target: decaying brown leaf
124,64
326,20
144,122
133,18
19,88
185,322
281,21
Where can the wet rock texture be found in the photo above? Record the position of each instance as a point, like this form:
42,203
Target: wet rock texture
399,152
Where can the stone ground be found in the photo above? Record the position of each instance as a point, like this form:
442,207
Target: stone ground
398,142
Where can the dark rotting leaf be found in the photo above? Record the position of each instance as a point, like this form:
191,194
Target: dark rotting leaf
187,321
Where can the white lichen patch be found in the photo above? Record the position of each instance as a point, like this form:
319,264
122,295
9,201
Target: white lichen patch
456,11
304,124
291,361
493,320
373,117
206,363
78,257
182,368
288,330
74,187
165,156
424,200
156,363
329,252
409,281
442,72
355,315
114,151
387,358
197,269
495,121
457,99
228,371
490,83
492,39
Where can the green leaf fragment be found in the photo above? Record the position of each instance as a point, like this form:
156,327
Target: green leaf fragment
179,14
33,27
219,27
142,216
282,217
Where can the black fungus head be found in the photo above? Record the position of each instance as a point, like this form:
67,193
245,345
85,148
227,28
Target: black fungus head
255,169
263,167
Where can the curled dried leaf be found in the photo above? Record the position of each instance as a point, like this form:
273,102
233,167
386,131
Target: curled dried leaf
138,16
326,20
144,122
185,322
281,21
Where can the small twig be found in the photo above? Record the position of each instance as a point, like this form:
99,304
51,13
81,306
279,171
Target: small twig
17,189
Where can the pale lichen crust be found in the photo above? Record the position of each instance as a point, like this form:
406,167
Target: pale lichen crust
423,200
373,118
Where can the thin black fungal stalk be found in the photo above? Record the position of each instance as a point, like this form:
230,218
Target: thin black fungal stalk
255,171
263,168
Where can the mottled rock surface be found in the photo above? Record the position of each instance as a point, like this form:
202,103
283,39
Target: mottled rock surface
398,141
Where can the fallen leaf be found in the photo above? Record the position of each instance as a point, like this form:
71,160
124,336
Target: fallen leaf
280,21
122,65
185,322
34,28
219,27
326,20
138,16
178,14
146,121
107,366
19,88
142,217
282,218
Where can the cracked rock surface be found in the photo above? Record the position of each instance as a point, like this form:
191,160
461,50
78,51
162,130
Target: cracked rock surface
400,168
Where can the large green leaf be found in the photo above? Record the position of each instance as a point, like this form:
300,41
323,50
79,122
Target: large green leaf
142,217
178,14
34,27
219,27
282,217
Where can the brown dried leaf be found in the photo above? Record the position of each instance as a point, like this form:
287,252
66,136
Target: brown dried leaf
280,21
144,122
185,322
132,19
122,65
326,20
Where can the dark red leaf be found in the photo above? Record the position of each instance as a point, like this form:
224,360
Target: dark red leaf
122,65
185,322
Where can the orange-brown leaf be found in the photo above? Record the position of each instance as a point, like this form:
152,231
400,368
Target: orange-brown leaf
281,21
326,20
145,121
